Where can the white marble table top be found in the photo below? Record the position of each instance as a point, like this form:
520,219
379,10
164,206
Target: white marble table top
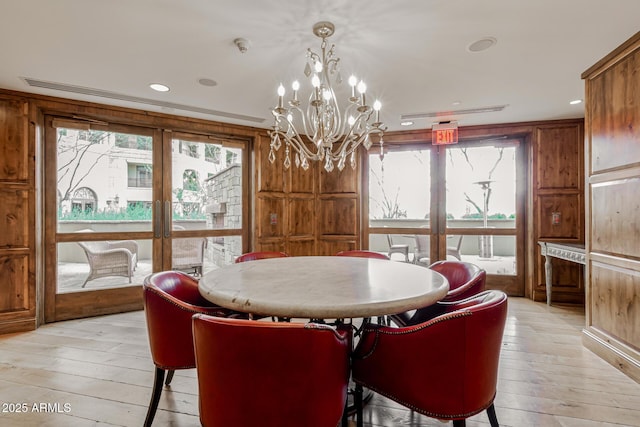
323,287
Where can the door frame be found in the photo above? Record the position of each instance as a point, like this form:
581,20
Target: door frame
86,303
437,230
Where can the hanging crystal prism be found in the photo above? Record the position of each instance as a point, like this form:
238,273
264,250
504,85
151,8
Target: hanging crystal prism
328,164
305,163
275,142
287,161
307,70
272,155
367,142
297,160
353,160
342,161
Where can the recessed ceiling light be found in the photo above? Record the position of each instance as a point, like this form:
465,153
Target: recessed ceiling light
159,87
456,103
207,82
406,123
482,44
575,101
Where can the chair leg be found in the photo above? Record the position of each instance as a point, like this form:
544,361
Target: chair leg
357,401
491,412
459,423
155,397
169,377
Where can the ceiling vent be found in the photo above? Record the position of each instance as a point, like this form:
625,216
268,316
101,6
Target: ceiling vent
415,116
121,97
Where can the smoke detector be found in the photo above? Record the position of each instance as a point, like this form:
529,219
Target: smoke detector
241,44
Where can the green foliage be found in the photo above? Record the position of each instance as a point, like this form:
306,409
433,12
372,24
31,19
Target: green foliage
478,215
136,212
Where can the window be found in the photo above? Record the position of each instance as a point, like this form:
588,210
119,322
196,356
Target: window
212,153
84,200
140,176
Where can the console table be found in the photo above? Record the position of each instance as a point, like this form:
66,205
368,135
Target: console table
567,251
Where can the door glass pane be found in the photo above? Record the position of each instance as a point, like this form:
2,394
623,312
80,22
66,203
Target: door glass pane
95,265
481,186
103,178
198,255
400,189
502,251
206,186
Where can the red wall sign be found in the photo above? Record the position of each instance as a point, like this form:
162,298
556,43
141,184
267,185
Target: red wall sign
444,133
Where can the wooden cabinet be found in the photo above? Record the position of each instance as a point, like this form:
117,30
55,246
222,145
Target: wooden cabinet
558,205
17,218
300,212
612,127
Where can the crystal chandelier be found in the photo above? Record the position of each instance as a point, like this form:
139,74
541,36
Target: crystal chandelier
321,132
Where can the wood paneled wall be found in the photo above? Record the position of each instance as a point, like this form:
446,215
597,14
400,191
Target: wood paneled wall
302,212
558,189
613,209
17,219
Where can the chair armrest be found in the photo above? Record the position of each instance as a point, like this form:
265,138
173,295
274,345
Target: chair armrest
130,245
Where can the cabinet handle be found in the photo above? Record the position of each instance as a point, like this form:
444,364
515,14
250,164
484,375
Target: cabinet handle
167,218
158,221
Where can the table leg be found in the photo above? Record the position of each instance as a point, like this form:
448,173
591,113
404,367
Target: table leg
548,273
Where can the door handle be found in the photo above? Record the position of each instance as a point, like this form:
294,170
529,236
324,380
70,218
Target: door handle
167,218
157,221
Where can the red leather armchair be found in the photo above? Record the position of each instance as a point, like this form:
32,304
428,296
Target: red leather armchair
171,298
445,368
253,256
270,374
465,280
363,254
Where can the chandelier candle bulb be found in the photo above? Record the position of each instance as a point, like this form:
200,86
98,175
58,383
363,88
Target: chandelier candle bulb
362,88
280,95
353,81
295,86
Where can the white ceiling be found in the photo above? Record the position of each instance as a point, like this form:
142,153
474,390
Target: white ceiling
411,53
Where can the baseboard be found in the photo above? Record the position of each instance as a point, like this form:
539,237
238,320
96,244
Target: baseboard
618,354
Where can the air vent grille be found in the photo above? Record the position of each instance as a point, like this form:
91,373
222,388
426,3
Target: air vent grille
122,97
415,116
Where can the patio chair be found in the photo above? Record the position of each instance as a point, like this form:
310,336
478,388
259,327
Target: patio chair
397,248
454,250
188,253
110,258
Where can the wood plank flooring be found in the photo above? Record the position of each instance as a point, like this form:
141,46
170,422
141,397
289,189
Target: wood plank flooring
98,372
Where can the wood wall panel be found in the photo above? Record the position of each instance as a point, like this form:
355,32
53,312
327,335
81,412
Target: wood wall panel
17,216
616,298
270,217
14,285
299,247
14,142
614,112
345,181
612,124
559,160
14,218
558,187
328,246
571,216
615,208
302,181
337,216
301,217
269,176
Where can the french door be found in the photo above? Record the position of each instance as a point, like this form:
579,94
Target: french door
124,201
463,201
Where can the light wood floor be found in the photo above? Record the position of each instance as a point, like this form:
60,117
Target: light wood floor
100,368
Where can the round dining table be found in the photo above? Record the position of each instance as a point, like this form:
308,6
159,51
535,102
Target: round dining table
323,287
